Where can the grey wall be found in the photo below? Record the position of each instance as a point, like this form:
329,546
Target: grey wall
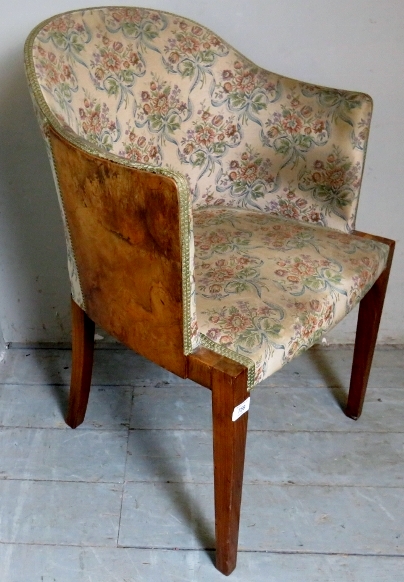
2,345
352,45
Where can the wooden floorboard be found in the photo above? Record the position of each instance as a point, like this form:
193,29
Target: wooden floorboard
128,496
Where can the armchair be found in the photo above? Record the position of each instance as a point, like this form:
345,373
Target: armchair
209,210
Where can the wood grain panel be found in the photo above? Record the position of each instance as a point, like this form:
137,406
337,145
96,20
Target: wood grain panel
124,225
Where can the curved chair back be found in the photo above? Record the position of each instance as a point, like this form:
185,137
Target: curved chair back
160,89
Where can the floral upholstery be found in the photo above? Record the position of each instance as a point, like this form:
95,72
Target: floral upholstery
158,90
268,287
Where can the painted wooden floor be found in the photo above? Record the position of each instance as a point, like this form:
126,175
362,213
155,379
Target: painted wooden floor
128,496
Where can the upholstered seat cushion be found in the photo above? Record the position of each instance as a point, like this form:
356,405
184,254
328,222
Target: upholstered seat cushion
267,287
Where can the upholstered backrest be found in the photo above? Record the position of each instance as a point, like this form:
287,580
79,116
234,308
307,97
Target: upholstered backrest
160,89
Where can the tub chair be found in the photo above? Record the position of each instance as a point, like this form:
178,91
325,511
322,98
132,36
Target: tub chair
209,210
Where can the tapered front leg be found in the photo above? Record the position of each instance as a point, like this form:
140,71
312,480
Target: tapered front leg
82,365
370,312
229,390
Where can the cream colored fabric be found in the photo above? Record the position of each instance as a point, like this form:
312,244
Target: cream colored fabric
267,288
160,89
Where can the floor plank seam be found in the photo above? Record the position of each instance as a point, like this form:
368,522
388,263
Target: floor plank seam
93,429
202,550
275,552
183,482
27,480
124,472
272,431
269,484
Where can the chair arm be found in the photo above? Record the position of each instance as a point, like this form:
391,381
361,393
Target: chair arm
124,225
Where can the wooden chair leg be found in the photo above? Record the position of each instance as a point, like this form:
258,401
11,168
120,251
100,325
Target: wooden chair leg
82,364
370,312
229,389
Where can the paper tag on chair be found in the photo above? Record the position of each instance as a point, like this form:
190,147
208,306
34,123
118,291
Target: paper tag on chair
241,409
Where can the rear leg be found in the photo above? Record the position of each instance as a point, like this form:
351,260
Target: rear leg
82,365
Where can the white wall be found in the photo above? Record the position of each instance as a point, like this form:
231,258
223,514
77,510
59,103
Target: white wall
351,45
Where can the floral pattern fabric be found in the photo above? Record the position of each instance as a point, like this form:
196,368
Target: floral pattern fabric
160,89
254,147
268,288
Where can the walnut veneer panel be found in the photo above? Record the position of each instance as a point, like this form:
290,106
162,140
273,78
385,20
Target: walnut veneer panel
124,226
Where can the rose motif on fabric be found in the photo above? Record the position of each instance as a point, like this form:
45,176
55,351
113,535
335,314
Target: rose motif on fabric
246,90
244,328
334,182
344,106
288,236
191,51
115,67
67,35
95,124
247,178
233,274
291,204
305,273
365,269
56,75
138,24
161,110
295,128
313,320
208,140
141,149
219,241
